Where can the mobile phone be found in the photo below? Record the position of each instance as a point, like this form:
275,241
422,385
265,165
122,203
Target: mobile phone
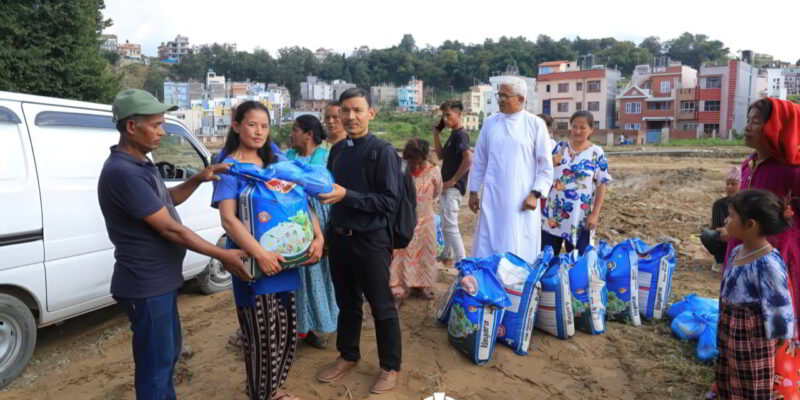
440,125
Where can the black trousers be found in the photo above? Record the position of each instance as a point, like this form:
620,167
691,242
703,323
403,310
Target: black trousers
555,242
714,244
360,269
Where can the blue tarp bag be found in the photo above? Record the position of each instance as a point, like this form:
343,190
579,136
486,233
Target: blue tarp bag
315,179
555,301
276,213
587,281
521,281
656,266
700,326
707,344
622,264
693,303
477,309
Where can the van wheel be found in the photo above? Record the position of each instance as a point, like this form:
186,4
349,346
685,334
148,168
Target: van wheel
17,337
215,278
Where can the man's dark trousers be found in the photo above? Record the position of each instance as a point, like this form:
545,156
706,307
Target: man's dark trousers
360,264
156,328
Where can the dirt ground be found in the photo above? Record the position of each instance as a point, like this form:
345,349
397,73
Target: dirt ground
655,198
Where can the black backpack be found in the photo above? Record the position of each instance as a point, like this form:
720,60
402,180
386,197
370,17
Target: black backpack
404,219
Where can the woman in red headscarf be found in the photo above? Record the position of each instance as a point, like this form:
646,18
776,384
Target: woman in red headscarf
773,131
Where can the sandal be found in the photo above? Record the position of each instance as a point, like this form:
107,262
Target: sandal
237,339
284,396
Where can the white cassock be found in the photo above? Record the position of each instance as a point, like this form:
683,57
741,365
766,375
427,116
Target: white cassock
512,159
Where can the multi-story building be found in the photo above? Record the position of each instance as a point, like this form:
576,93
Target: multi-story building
215,84
315,89
279,95
775,83
723,95
109,42
322,53
383,95
474,101
410,97
470,121
339,87
236,89
659,95
181,94
568,89
174,50
791,78
130,50
311,105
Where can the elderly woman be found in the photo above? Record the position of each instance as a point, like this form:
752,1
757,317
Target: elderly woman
719,212
316,300
773,131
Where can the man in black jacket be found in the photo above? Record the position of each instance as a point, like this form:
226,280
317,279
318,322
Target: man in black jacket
364,199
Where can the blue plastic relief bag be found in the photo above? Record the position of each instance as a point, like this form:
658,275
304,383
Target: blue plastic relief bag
707,344
521,282
656,266
276,213
694,303
622,280
555,301
589,293
477,309
700,326
443,311
315,179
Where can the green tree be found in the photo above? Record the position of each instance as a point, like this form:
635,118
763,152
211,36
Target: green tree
624,56
154,80
694,50
52,48
652,44
111,56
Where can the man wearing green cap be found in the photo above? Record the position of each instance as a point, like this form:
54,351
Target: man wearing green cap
150,241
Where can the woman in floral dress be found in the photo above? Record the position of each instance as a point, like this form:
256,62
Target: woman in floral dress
415,266
580,180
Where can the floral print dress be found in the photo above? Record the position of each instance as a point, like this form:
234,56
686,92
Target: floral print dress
575,182
415,266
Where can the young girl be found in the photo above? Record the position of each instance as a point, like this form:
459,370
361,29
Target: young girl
580,180
755,305
415,266
265,307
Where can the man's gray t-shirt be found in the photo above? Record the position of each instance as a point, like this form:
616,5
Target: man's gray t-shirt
147,264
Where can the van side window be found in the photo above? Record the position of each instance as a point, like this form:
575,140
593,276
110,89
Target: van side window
12,162
64,119
177,158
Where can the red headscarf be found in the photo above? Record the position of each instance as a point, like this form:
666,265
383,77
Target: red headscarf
782,131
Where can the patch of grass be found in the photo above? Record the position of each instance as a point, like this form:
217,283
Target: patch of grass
708,142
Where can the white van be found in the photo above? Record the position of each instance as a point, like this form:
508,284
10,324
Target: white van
55,256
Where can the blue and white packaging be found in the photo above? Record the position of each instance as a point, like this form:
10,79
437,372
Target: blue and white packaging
555,302
589,293
622,279
656,266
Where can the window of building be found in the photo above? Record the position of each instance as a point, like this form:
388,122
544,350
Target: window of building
578,106
562,126
593,87
563,87
710,128
711,106
688,106
633,127
647,85
579,86
633,108
594,105
664,86
548,89
713,83
690,126
563,107
658,106
596,124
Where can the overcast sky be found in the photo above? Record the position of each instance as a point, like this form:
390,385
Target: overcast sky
343,25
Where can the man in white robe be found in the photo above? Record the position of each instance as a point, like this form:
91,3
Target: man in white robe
513,165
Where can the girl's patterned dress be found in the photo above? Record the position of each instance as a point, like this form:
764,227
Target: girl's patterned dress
755,311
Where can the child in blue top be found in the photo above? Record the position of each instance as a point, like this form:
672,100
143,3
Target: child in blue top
755,302
266,307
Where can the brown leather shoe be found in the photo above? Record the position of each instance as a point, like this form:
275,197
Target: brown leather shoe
385,382
337,370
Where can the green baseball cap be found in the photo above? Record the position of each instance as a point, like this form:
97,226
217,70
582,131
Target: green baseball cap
135,101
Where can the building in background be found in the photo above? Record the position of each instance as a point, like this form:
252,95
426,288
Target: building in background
215,84
470,121
791,78
322,53
339,86
723,95
315,89
109,43
383,95
311,105
181,94
570,88
174,50
775,83
236,89
660,95
410,97
474,101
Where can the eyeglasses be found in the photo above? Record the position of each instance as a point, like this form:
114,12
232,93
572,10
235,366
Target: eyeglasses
503,96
